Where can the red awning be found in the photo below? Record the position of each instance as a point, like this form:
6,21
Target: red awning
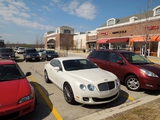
117,40
102,41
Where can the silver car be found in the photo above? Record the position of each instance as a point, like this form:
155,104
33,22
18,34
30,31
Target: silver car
20,50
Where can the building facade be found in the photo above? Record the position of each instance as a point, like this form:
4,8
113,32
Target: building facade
139,33
79,39
133,33
62,38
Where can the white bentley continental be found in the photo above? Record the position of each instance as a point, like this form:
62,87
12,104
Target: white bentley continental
82,81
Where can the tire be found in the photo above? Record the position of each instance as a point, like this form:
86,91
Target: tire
26,60
68,94
47,80
47,59
132,83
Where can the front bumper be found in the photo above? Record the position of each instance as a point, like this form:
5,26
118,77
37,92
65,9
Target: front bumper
98,97
15,111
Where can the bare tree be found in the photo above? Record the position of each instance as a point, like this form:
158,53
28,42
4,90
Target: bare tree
66,42
37,42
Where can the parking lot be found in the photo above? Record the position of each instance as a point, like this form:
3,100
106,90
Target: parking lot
51,104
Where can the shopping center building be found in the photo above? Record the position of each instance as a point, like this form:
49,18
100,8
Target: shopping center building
136,33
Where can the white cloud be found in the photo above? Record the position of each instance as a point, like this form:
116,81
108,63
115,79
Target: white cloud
18,13
86,10
46,8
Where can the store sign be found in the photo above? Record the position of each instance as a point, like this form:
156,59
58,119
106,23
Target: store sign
152,27
118,32
104,33
93,38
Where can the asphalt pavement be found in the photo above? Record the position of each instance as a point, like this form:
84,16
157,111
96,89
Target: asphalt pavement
99,115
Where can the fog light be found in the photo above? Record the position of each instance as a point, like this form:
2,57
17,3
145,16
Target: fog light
86,99
148,85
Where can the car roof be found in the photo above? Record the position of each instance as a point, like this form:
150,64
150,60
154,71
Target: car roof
5,48
69,58
117,50
6,62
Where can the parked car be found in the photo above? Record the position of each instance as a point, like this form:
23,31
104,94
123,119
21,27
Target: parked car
17,95
31,54
20,50
136,71
7,53
82,81
40,52
49,54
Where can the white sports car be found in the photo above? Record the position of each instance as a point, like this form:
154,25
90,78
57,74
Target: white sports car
82,81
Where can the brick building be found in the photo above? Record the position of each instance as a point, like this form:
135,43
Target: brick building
62,38
132,32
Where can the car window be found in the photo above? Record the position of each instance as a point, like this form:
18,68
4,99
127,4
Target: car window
56,63
114,57
6,50
103,55
31,50
93,54
78,64
135,58
10,72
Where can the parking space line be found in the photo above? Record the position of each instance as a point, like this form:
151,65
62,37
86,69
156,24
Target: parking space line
53,109
129,97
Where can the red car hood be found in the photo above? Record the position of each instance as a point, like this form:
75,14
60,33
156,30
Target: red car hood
12,91
155,68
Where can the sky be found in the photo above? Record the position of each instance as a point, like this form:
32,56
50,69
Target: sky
25,21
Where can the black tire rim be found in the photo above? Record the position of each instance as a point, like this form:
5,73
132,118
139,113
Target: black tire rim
45,76
68,95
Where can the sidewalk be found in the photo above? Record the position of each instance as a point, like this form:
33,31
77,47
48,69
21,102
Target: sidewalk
154,59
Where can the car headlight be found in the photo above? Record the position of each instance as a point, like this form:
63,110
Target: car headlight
147,72
90,87
28,56
83,87
117,82
24,99
49,55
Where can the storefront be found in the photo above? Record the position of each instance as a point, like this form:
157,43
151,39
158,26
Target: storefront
91,45
113,43
138,45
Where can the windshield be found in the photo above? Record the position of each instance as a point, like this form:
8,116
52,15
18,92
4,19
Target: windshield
53,52
10,72
31,51
135,58
78,64
5,50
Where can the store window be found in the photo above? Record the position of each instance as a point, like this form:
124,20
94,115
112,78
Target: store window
67,31
158,11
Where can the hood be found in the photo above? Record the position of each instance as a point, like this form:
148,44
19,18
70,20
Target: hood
6,53
12,91
155,68
95,75
36,53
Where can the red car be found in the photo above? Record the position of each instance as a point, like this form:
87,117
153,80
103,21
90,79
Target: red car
131,68
17,96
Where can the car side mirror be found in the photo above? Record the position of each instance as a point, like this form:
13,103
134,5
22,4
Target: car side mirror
28,74
120,62
57,68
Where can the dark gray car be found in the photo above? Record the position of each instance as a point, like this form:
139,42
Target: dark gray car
7,53
31,54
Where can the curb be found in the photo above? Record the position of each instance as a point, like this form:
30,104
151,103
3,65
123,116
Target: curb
119,109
